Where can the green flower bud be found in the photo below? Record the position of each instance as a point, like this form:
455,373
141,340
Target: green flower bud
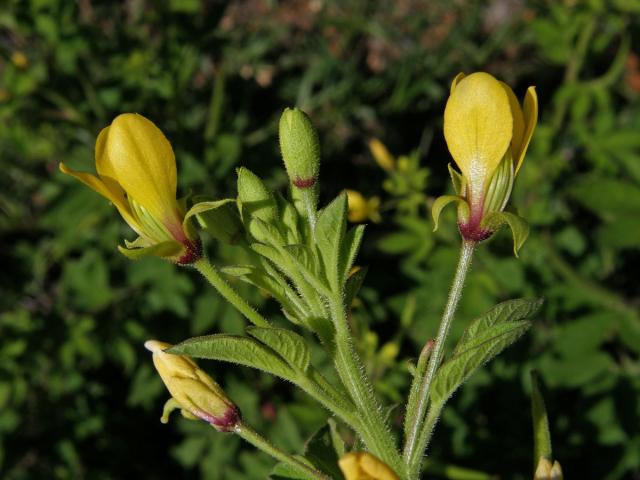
300,148
255,202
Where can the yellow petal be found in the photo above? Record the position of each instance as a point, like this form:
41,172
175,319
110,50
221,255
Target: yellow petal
139,157
518,120
358,206
478,126
376,469
455,81
531,120
109,190
381,155
349,466
365,466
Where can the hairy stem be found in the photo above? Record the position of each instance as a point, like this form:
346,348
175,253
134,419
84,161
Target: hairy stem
210,272
412,454
375,432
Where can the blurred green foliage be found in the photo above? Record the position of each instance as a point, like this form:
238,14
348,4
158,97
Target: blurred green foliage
78,397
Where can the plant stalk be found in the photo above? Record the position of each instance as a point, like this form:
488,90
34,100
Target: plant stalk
258,441
412,456
375,432
210,272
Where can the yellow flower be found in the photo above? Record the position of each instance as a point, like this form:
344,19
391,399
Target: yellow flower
192,390
19,59
381,155
361,208
488,133
365,466
137,173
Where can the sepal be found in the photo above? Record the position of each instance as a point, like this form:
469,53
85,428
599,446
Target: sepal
219,218
443,201
134,251
518,225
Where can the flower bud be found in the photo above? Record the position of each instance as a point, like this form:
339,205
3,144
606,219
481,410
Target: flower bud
365,466
548,471
192,390
300,148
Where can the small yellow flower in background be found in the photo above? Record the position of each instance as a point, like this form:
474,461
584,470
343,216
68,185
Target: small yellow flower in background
381,155
365,466
548,471
19,59
192,390
137,173
361,208
488,133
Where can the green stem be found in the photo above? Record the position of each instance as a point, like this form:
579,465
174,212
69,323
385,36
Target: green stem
374,429
258,441
210,272
412,454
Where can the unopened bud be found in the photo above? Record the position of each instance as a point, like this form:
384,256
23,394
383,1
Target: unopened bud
193,391
547,470
300,148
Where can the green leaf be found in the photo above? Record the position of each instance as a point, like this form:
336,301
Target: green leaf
350,247
321,451
541,434
283,471
474,353
289,219
272,254
270,282
416,386
518,225
289,345
443,201
330,231
509,311
241,350
352,287
238,270
302,255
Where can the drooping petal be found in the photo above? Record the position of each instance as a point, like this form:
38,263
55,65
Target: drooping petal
109,190
531,120
455,81
478,127
518,120
140,158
